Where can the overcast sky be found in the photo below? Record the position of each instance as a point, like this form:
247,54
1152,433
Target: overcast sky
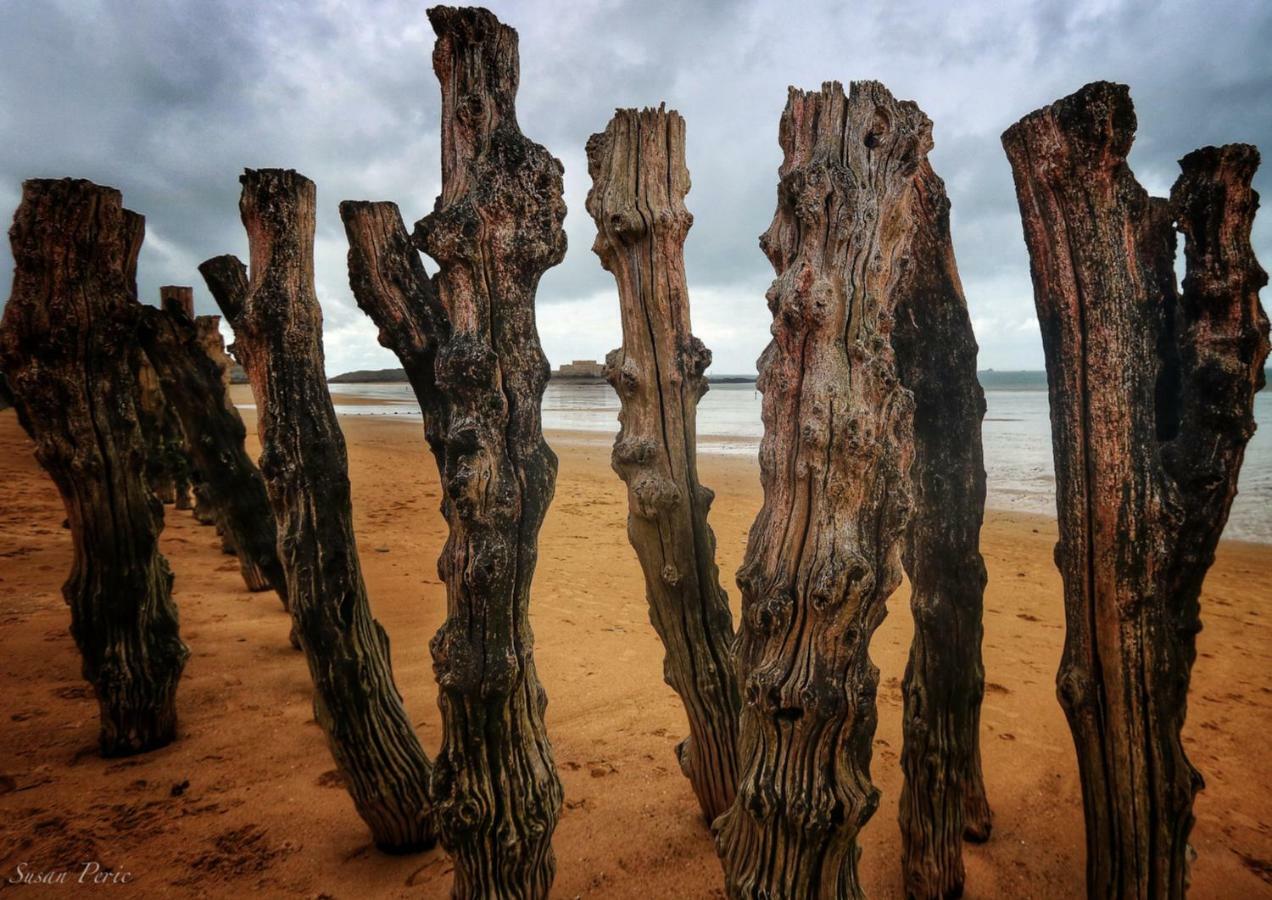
170,101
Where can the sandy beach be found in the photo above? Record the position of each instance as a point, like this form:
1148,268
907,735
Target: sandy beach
247,798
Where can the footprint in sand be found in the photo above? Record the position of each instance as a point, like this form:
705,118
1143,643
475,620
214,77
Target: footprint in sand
331,779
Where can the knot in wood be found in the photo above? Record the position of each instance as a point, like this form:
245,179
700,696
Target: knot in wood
818,814
455,660
470,111
654,493
628,378
450,235
695,358
463,436
467,366
634,451
466,488
762,692
706,497
761,802
626,225
845,575
772,612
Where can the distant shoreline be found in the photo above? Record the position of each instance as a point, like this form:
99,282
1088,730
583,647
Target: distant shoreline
398,376
990,379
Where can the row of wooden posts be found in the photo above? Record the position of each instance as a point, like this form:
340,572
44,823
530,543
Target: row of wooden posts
871,462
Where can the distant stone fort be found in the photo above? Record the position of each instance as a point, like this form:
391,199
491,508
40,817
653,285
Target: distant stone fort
581,368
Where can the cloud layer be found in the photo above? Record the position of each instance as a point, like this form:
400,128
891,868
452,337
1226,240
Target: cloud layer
170,101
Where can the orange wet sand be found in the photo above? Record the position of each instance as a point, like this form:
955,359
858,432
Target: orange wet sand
264,811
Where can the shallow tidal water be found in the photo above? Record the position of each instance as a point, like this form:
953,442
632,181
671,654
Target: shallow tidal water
1016,433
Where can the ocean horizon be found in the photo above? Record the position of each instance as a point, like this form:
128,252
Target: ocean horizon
1020,475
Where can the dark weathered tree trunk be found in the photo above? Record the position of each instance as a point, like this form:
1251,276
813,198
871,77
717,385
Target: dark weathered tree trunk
943,796
67,345
278,328
208,330
1151,408
177,465
470,347
194,387
156,430
204,514
823,554
639,182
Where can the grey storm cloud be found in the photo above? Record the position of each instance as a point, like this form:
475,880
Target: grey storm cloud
170,101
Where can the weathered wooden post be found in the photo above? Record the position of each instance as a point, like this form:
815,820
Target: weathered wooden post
943,796
194,388
639,182
823,554
208,330
469,344
278,330
67,346
1151,407
166,469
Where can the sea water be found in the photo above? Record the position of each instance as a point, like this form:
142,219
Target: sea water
1017,436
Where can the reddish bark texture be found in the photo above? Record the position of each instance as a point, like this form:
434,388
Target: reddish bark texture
468,341
1151,407
943,796
824,552
639,182
68,349
278,330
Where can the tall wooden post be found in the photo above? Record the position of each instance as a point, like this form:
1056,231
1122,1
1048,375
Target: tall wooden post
943,796
278,329
469,344
639,182
824,552
68,348
1151,407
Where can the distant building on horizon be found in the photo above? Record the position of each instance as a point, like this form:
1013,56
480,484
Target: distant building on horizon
580,368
